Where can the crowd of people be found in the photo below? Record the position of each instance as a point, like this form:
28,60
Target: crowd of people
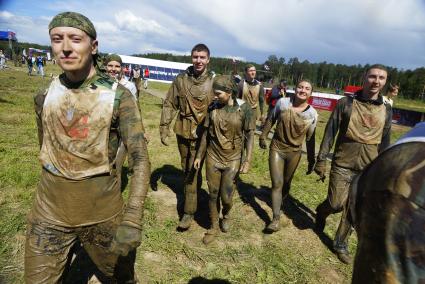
89,122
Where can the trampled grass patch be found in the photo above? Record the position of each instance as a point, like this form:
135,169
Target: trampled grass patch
244,255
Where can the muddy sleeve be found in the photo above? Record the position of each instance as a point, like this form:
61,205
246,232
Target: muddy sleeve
311,141
131,131
249,128
38,107
169,107
240,89
261,99
271,120
200,153
386,133
331,130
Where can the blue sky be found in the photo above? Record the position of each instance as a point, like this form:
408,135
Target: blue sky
391,32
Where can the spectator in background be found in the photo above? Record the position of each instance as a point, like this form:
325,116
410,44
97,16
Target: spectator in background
2,59
39,63
278,91
29,64
137,77
391,93
145,77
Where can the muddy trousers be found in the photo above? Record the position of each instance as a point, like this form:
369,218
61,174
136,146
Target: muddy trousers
282,167
48,252
221,180
337,201
192,177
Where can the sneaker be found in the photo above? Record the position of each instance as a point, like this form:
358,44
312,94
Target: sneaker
225,225
209,236
274,226
186,221
343,256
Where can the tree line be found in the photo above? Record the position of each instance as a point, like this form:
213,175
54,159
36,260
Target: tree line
324,75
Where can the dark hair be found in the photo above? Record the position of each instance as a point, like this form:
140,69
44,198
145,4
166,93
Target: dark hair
249,66
305,80
376,66
200,47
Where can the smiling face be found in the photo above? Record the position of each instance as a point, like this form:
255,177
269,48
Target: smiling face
72,48
200,60
303,91
374,82
114,69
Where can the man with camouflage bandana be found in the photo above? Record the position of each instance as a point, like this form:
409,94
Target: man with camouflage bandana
189,96
362,125
81,121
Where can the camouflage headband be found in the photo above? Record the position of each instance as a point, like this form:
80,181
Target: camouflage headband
225,83
112,57
74,20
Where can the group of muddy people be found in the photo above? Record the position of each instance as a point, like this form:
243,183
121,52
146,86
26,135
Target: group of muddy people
89,121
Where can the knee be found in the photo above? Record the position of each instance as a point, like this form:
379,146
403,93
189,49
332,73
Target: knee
277,184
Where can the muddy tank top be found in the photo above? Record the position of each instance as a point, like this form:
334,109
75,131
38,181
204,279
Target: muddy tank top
76,124
366,123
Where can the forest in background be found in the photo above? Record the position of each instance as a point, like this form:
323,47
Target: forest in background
324,75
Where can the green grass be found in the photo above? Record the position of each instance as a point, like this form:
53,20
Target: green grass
244,255
416,105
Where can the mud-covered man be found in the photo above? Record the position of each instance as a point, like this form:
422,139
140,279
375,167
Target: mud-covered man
388,209
361,125
252,92
189,97
81,121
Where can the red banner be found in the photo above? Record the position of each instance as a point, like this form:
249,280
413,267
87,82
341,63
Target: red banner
323,103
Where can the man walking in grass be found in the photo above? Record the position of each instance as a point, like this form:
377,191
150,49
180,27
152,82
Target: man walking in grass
81,122
189,97
362,125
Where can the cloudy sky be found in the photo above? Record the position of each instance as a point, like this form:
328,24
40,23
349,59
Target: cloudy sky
391,32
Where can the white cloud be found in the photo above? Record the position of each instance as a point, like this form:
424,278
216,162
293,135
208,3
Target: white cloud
128,21
5,15
27,29
340,31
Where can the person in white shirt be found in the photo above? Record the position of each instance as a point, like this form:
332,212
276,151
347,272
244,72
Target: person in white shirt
113,64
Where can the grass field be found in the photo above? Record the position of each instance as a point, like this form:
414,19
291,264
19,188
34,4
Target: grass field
244,255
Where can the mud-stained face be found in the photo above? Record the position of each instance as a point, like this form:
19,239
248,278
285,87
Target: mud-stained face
222,96
114,69
200,60
250,73
72,48
303,91
374,81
